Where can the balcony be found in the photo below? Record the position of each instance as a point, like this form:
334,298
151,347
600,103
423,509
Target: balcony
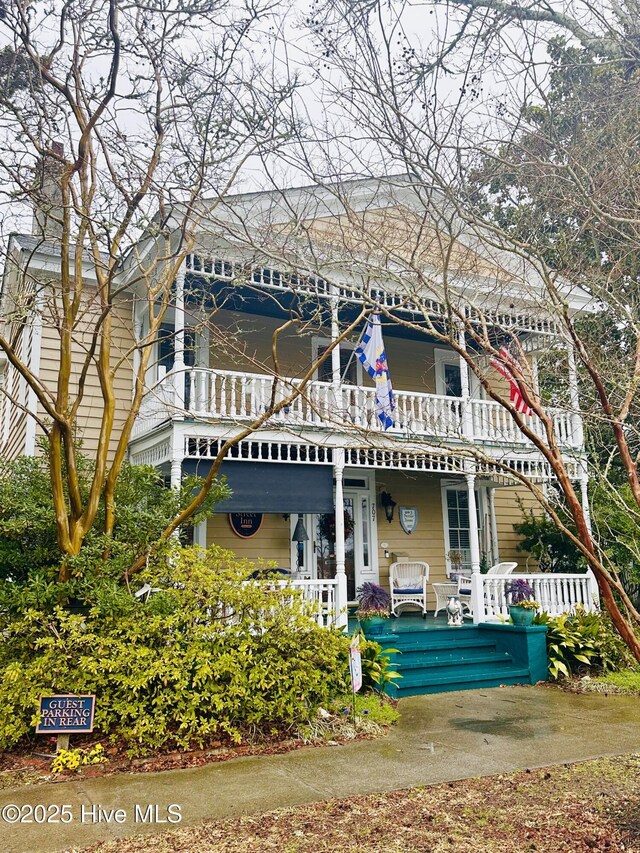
232,396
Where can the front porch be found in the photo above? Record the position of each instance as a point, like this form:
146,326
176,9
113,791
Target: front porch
432,657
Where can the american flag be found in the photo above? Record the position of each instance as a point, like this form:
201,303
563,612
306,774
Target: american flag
509,367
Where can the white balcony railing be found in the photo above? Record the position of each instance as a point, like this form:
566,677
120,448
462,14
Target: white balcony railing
233,395
555,593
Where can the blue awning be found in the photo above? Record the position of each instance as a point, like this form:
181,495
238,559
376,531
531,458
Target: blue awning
271,486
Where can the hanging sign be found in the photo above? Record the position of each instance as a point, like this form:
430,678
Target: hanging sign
245,524
66,714
408,519
355,665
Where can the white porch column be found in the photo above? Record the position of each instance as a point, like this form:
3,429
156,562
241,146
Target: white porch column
465,402
200,533
584,493
341,577
178,341
177,453
477,597
576,418
338,468
495,548
336,368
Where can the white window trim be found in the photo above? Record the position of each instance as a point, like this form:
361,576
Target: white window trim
317,342
481,498
442,357
446,356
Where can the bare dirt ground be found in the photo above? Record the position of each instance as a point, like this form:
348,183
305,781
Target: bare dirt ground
578,808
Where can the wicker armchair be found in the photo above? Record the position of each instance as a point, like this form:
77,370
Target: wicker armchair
408,586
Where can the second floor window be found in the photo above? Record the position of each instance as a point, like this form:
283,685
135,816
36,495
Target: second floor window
452,380
349,364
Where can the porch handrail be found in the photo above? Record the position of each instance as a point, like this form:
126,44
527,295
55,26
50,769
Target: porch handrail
555,593
231,394
329,601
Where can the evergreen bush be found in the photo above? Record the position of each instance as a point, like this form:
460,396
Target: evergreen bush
210,654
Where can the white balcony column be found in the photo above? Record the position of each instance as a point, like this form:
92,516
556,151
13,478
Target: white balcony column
178,341
477,595
199,403
584,494
336,366
495,548
177,455
576,418
465,402
341,577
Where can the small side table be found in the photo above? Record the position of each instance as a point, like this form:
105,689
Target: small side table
443,592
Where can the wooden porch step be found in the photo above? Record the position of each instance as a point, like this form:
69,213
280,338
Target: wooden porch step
439,659
408,661
450,682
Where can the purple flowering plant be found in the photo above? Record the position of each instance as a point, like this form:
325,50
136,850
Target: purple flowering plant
373,600
521,594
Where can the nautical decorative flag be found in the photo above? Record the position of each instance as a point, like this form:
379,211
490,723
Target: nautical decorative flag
509,367
374,358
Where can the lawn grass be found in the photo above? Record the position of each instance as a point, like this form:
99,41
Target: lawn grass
627,681
578,808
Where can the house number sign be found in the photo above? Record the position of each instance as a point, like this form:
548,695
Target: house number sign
245,524
408,519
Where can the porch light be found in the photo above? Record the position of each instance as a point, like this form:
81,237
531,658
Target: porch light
389,505
300,533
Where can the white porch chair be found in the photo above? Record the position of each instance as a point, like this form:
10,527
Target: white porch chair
408,585
502,569
464,593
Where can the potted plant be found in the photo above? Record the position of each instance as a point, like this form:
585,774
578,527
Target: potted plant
373,607
455,559
522,606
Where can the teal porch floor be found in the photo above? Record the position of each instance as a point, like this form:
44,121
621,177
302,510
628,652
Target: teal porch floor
411,622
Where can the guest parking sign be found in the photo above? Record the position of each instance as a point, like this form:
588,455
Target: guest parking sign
66,714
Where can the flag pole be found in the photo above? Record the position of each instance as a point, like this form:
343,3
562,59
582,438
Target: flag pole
353,352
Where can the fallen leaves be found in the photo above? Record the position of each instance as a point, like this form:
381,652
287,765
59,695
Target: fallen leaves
591,806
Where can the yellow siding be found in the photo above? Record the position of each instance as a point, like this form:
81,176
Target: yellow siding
271,542
411,364
426,543
508,513
247,345
90,410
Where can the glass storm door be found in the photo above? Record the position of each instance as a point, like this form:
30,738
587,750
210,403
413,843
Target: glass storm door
357,542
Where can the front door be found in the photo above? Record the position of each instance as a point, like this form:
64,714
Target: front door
359,557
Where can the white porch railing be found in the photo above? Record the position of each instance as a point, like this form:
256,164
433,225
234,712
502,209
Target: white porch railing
328,608
234,395
555,593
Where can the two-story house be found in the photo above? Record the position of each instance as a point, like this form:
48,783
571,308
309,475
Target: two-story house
322,489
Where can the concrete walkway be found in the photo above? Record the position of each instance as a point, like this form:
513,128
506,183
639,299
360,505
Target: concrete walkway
440,738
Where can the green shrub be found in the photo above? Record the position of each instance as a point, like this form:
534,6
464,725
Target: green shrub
377,670
28,539
208,655
583,640
540,537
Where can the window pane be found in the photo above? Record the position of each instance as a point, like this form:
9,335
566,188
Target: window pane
452,380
